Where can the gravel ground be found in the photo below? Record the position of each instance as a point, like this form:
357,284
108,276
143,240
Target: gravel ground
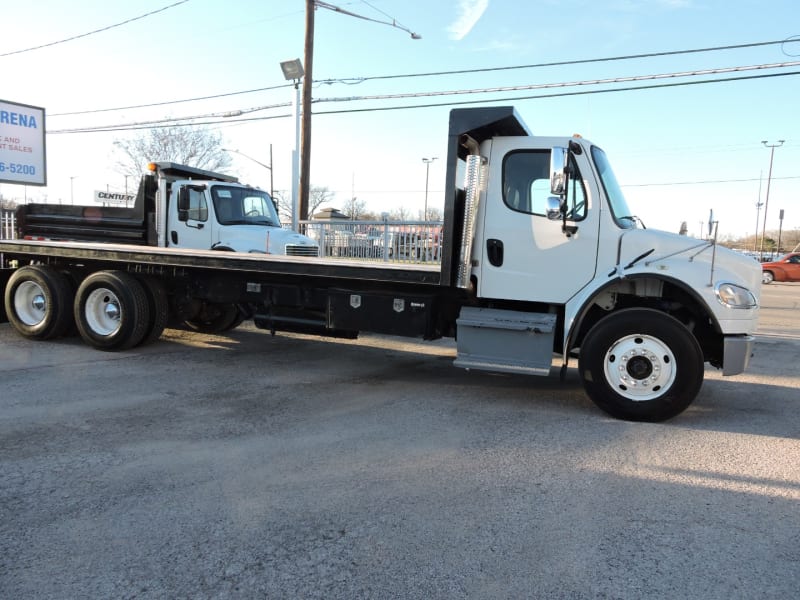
248,466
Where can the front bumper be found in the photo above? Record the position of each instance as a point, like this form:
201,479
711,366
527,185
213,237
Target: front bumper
737,352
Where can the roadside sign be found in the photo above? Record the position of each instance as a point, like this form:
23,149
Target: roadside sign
22,144
113,198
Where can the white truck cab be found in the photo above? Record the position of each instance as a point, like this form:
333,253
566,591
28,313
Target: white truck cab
229,216
204,210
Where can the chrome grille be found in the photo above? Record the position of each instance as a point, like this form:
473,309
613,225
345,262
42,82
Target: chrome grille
301,250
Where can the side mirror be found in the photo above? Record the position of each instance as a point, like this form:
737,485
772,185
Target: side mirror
553,208
558,170
183,204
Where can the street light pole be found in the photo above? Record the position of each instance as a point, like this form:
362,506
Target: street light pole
771,147
308,80
759,204
427,162
258,162
293,71
71,194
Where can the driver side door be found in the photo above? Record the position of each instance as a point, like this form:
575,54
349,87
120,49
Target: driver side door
526,256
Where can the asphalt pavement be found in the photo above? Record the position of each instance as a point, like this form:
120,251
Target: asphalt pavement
252,466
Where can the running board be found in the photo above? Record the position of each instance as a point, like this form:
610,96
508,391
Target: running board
508,341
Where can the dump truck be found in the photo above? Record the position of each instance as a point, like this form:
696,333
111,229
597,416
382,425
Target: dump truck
176,206
542,263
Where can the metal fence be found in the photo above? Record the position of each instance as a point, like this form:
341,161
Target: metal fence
385,241
8,225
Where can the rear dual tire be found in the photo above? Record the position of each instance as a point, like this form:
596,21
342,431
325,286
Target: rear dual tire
113,311
38,302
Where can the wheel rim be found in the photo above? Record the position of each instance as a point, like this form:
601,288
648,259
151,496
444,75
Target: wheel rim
640,367
766,277
103,312
30,303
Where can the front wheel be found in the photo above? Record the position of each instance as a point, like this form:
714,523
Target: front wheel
640,364
767,277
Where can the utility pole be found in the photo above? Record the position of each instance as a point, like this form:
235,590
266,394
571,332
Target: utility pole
308,80
771,147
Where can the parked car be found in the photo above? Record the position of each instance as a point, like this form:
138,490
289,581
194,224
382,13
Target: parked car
783,269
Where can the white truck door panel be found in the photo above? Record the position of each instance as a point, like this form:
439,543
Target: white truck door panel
195,232
523,255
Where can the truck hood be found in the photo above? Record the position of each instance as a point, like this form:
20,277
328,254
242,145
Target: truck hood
678,256
266,240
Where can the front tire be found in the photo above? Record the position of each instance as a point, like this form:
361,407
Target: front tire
112,311
767,277
640,364
38,302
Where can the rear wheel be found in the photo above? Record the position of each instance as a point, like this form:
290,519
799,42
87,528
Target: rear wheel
158,304
112,310
38,302
641,365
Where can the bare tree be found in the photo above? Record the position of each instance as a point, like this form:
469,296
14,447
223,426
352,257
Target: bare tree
354,208
192,146
317,196
400,214
434,214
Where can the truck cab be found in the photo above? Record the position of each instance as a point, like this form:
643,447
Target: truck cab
225,215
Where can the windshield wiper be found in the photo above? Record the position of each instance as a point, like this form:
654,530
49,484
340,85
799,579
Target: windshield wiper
635,219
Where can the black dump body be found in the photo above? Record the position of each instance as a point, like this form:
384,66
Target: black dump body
116,224
110,224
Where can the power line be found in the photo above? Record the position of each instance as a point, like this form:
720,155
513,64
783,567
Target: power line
233,121
392,23
83,35
537,86
439,73
560,95
100,110
747,180
562,63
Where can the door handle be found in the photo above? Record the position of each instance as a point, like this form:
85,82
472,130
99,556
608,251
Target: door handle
494,251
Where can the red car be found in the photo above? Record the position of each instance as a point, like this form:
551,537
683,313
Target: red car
784,269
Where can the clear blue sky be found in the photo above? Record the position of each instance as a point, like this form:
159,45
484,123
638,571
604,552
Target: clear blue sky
668,145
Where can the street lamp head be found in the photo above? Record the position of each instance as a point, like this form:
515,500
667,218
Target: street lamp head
292,69
415,36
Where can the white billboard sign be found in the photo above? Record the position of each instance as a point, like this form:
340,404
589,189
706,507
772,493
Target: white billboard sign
22,144
113,198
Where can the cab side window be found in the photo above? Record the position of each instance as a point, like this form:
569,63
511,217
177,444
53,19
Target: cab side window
526,184
198,208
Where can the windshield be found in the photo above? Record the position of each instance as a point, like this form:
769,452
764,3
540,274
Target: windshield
243,206
616,200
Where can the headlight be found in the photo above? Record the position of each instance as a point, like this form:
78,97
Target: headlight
735,296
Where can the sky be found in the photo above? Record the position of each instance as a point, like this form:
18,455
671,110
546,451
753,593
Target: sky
679,151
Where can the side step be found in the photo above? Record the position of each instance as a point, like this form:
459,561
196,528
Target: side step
509,341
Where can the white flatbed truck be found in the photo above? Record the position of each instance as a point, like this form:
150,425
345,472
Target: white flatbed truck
540,255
